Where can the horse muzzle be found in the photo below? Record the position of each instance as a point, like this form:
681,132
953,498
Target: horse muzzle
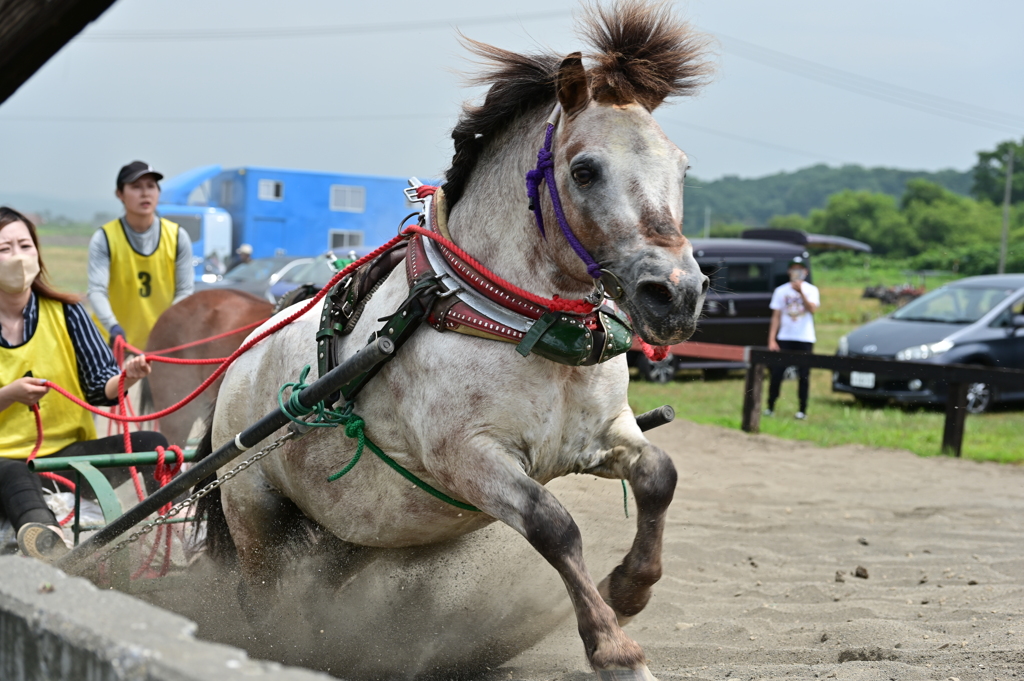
663,296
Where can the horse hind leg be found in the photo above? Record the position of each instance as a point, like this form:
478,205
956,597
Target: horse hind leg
268,531
525,505
652,477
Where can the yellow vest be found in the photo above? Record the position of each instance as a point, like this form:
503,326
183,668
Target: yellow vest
48,354
141,286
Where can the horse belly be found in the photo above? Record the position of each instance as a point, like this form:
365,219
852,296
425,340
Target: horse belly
372,505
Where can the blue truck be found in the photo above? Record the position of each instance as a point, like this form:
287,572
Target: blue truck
280,212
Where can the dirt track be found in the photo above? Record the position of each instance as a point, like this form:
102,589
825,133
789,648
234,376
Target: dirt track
757,533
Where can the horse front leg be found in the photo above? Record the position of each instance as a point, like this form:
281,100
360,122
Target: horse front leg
652,477
501,489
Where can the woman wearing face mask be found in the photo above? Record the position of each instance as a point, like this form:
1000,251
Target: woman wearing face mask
47,335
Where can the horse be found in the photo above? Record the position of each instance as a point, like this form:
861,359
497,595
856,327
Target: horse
203,314
463,412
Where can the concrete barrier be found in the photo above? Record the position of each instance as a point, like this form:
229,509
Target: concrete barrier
55,627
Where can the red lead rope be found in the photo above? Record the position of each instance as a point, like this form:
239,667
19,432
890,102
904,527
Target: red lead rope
237,353
163,474
35,452
166,351
559,304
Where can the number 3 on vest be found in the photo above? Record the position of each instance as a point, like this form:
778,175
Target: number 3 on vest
147,286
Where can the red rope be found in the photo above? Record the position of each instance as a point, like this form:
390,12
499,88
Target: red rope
124,406
35,452
555,304
163,474
121,345
39,432
655,353
176,348
178,360
237,353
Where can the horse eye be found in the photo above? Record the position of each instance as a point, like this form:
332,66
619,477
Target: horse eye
583,176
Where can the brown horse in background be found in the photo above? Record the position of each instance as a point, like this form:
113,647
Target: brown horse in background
201,315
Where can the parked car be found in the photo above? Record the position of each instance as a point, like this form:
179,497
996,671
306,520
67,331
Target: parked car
257,276
978,320
743,273
316,272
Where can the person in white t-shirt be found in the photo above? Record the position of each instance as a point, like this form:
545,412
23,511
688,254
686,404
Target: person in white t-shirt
792,328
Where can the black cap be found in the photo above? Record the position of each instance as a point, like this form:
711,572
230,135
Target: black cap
798,261
134,171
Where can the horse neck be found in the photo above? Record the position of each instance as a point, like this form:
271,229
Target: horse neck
493,223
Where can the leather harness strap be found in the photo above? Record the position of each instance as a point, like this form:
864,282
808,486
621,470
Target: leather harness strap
452,295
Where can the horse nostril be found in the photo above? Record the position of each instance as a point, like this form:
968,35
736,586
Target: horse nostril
704,285
654,295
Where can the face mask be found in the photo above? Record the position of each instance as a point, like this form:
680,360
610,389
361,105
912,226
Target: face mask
797,274
18,272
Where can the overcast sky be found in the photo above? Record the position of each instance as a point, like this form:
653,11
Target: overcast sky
183,83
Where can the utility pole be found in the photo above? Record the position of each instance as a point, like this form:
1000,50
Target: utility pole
1006,210
707,221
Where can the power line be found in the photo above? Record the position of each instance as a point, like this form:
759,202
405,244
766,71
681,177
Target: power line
869,87
876,89
220,34
756,142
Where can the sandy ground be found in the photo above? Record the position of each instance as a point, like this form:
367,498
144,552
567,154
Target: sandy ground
763,543
761,547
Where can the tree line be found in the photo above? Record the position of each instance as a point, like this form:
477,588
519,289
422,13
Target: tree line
947,220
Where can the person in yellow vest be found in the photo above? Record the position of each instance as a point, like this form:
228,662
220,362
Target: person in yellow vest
47,335
139,264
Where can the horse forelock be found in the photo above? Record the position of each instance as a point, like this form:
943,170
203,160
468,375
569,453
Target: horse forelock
643,53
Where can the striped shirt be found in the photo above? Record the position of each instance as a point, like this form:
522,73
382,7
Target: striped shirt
96,364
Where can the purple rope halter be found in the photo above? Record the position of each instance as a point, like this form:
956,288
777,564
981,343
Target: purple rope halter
545,171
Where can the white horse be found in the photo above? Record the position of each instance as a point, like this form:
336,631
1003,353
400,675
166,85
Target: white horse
470,416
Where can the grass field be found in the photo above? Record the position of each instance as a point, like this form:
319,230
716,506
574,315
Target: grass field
65,252
834,418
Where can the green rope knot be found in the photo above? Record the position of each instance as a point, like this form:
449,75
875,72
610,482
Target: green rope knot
355,428
295,411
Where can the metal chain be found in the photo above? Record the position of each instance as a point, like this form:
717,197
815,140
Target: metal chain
195,496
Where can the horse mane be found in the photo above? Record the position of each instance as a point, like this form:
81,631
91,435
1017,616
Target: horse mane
642,53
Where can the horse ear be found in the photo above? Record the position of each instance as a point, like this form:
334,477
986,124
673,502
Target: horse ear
571,84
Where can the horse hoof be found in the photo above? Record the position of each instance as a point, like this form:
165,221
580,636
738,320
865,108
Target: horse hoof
642,673
605,592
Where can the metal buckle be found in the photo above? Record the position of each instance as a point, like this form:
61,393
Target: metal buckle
410,191
341,295
450,291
